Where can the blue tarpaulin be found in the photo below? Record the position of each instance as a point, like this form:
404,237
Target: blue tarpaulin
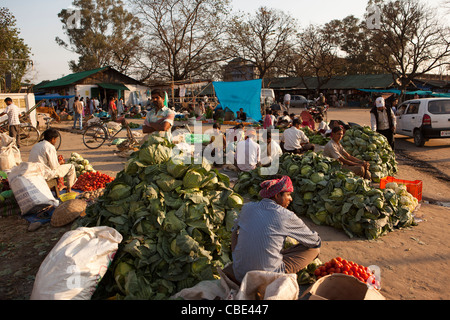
51,96
241,94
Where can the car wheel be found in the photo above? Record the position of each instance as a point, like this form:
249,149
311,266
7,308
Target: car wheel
419,139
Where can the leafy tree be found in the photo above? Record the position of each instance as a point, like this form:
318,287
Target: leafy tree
14,53
183,38
351,36
103,33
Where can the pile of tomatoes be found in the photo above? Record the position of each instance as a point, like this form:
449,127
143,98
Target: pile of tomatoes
339,265
91,181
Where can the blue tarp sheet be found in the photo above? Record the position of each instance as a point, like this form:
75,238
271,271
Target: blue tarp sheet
51,96
382,91
241,94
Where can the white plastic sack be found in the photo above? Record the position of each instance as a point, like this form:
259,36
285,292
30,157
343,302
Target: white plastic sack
264,285
7,158
5,139
28,181
76,264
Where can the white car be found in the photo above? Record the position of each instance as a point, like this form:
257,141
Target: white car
424,119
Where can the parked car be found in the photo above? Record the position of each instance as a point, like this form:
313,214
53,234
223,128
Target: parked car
267,97
424,119
298,101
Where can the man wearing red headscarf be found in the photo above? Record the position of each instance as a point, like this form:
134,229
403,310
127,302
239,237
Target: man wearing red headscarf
260,232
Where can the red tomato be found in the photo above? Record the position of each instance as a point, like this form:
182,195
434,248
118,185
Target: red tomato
338,270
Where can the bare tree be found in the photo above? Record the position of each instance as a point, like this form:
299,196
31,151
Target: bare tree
319,55
263,39
411,41
182,37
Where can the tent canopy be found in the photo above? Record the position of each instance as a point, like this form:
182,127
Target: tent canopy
241,94
51,96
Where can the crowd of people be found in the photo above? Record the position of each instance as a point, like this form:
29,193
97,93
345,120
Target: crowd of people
260,231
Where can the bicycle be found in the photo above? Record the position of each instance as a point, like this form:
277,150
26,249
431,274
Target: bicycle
48,120
28,134
96,134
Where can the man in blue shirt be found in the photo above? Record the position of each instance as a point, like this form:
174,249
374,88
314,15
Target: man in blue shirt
260,232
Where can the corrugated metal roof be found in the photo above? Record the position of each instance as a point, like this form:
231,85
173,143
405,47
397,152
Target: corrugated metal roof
72,78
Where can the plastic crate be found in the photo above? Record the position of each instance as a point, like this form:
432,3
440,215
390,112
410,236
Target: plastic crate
413,187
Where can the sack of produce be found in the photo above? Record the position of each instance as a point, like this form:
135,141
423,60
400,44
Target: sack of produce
28,181
76,263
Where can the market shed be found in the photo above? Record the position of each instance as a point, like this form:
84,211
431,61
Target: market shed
102,83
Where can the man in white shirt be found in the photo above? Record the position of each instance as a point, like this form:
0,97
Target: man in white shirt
248,153
287,101
13,113
45,152
270,151
295,140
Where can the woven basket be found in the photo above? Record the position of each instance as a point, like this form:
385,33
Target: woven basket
68,212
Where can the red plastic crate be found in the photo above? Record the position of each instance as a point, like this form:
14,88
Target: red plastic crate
413,187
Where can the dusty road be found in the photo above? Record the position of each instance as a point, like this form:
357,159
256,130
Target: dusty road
414,261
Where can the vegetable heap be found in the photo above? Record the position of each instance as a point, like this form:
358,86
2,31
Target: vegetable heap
5,189
90,181
81,165
315,138
328,195
176,222
339,265
365,144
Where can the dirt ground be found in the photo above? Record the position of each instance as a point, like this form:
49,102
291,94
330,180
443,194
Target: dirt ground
413,261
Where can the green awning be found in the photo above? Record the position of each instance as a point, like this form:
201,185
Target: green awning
113,86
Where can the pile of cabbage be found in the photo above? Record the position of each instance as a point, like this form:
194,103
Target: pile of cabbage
176,220
315,138
331,196
365,144
81,164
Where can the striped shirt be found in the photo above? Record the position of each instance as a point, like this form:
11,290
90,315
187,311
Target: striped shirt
163,115
263,228
13,113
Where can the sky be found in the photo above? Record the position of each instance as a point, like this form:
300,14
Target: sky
39,25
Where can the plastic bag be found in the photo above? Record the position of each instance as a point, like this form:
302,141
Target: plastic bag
76,264
28,181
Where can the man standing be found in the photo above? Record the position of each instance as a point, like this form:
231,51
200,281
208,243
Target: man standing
159,118
333,149
248,152
13,113
295,140
78,113
113,109
45,152
260,231
383,121
287,101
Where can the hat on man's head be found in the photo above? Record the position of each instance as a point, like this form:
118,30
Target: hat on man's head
271,188
380,102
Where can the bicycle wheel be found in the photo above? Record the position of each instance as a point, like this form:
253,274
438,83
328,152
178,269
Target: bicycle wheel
29,135
58,140
95,136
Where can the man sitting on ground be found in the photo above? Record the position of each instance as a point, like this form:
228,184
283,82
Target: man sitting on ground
333,149
45,152
260,231
295,140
